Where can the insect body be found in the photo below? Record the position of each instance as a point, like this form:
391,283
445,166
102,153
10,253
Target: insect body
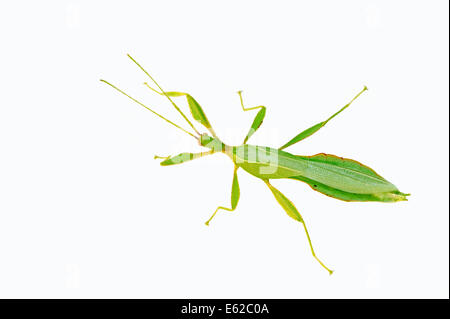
337,177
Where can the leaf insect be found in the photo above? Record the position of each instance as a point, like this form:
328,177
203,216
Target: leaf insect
337,177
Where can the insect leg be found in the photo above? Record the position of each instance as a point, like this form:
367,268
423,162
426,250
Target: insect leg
235,194
259,118
196,110
182,157
163,93
292,211
313,129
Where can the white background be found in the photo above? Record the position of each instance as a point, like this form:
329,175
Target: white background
85,211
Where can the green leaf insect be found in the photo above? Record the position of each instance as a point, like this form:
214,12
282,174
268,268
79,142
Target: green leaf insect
334,176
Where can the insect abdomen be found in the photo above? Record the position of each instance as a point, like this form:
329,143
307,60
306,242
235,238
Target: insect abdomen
344,174
344,178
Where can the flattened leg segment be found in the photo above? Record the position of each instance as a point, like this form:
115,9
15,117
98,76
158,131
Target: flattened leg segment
313,129
259,118
182,157
235,194
292,211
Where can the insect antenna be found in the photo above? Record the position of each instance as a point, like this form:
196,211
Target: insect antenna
163,92
156,113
